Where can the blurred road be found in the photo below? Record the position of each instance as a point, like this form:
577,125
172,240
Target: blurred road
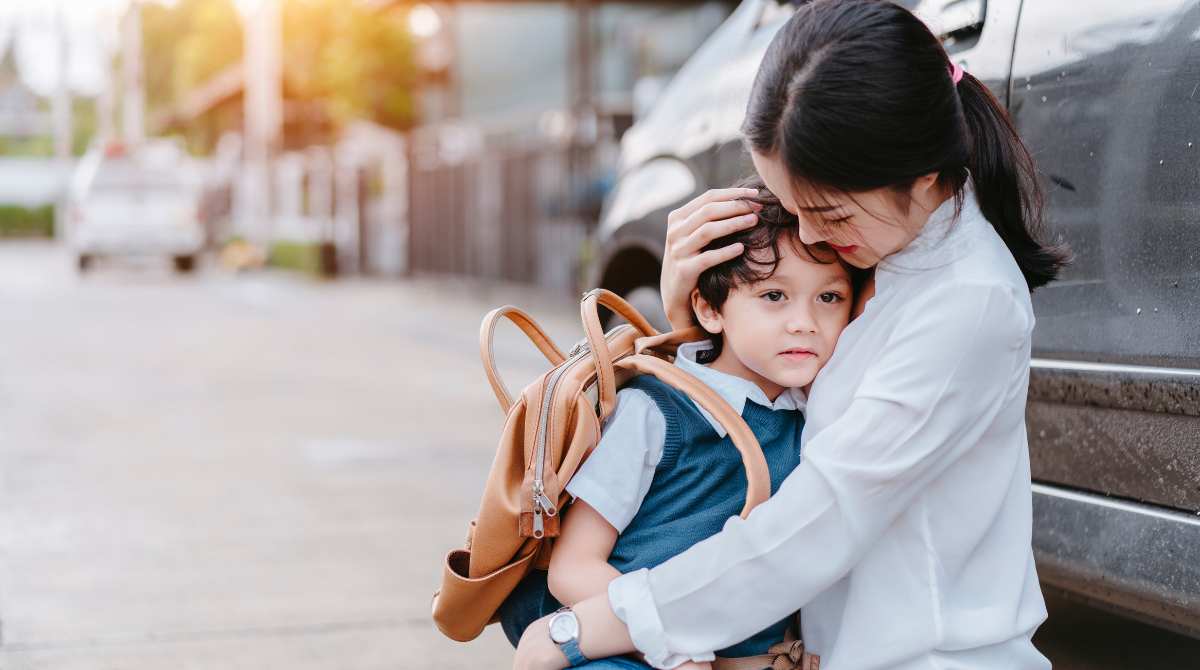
263,472
239,472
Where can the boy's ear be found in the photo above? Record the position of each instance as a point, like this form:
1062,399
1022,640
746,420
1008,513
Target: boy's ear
709,318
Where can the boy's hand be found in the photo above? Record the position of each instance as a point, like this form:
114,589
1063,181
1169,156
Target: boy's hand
535,650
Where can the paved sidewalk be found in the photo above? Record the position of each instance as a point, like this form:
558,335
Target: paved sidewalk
239,472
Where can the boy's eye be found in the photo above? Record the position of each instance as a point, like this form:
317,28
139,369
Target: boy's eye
830,297
773,296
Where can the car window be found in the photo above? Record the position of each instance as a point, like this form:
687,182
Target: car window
123,175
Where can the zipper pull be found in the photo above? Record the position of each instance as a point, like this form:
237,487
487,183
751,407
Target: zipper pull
539,530
541,499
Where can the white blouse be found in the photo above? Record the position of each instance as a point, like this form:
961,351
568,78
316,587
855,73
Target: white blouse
905,533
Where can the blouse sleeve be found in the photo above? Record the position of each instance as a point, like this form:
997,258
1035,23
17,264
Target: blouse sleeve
940,383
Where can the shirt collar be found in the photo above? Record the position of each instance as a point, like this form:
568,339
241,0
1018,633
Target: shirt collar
947,236
733,389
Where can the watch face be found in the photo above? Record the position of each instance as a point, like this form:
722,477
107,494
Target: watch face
564,627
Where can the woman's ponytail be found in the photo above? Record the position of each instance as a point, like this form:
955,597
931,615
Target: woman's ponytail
1006,184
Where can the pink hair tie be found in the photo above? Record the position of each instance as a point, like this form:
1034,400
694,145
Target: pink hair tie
956,73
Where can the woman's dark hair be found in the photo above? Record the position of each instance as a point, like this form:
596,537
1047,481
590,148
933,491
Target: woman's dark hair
760,255
855,95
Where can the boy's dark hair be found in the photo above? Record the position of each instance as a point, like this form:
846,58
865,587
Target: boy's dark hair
760,255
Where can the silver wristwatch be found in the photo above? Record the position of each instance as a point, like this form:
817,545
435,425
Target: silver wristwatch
564,631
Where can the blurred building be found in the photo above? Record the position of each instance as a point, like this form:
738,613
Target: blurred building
520,143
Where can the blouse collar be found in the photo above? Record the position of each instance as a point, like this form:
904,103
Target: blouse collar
947,236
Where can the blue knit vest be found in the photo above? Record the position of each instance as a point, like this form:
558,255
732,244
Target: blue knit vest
700,483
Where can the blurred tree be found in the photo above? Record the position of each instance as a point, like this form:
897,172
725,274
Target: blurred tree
342,62
185,45
361,63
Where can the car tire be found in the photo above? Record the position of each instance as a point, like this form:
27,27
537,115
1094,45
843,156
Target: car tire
184,264
648,302
84,263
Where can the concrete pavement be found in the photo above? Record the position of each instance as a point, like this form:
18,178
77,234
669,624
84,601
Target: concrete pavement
239,472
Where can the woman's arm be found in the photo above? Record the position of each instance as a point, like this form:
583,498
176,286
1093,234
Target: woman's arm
938,385
713,214
579,565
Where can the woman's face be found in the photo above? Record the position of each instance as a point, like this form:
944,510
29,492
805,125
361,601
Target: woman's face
864,228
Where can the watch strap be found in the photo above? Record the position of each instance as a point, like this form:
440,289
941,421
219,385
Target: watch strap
570,649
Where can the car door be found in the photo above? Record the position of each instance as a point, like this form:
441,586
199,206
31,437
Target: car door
1107,96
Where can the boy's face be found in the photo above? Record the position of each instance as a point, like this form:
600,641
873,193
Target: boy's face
781,331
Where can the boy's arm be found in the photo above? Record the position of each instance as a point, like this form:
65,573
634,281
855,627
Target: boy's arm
579,566
608,490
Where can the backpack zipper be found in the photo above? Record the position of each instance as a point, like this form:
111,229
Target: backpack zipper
541,502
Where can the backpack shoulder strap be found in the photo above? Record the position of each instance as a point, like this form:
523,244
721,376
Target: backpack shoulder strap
758,476
606,385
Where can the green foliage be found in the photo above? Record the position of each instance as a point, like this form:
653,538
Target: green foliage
185,45
360,63
16,221
302,256
342,62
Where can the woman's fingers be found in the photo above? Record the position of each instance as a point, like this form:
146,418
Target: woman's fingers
684,216
711,230
689,229
713,257
715,195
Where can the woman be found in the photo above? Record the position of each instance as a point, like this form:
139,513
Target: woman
904,534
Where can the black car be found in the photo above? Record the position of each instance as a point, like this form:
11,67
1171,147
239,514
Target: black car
1107,96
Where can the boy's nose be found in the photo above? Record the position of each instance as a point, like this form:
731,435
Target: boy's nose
801,321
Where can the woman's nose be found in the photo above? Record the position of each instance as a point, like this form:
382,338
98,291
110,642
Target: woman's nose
810,234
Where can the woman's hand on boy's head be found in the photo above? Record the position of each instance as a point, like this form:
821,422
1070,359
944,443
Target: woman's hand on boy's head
714,214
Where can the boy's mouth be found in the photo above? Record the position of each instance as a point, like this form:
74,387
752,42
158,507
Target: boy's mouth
798,354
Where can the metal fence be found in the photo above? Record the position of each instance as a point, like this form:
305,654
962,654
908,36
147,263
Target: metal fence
503,212
444,201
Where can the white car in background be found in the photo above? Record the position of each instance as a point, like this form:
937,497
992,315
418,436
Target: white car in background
144,203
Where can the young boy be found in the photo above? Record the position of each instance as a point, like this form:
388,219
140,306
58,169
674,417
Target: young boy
664,474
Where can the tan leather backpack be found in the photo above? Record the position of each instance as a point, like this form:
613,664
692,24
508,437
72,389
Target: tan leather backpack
550,429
